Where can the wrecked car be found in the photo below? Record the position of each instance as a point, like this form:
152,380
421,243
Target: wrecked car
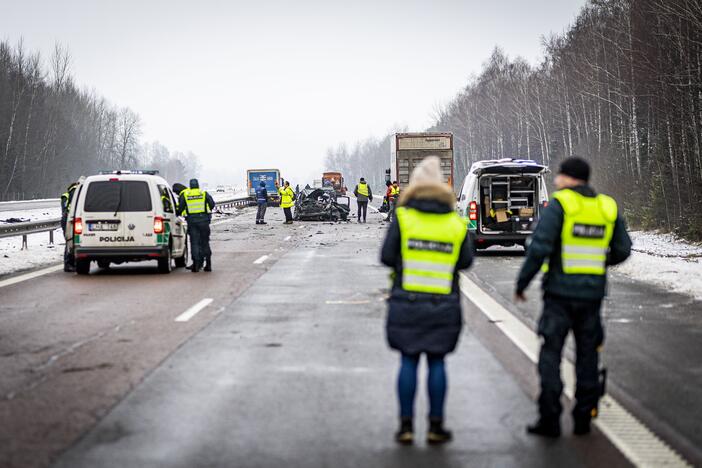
317,204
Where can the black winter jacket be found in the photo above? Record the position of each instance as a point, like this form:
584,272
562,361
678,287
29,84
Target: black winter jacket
419,322
546,244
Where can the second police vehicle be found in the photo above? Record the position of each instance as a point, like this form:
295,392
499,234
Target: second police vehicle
502,200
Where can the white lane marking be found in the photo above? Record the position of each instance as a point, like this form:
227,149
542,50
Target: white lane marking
260,259
287,238
373,208
191,312
641,446
28,276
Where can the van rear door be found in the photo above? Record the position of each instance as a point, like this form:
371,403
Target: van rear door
118,213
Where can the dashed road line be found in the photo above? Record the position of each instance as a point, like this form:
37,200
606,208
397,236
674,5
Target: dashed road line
191,312
260,259
32,275
636,441
287,238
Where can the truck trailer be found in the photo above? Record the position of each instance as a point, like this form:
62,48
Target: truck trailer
269,176
409,149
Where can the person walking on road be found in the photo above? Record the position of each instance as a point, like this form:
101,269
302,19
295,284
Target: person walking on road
197,205
578,236
287,197
262,202
426,245
364,194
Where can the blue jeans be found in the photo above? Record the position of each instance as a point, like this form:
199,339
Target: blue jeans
407,385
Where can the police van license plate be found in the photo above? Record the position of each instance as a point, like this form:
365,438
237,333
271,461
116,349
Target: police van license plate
103,226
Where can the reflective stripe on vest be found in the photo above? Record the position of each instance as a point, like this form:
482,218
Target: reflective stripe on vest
363,189
195,201
394,191
588,226
430,247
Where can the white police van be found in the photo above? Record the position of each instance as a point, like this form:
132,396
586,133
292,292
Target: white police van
502,199
126,216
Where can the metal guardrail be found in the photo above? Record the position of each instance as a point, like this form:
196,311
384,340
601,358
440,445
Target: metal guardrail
31,227
241,201
50,225
21,205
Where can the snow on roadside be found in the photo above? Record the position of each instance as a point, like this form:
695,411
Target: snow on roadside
38,253
39,214
666,261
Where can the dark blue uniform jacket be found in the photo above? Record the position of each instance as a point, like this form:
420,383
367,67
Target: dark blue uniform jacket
546,244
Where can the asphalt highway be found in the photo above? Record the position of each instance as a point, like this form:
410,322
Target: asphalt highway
278,357
652,349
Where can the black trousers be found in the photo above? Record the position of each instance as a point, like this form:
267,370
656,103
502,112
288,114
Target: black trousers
288,214
261,213
558,318
199,233
362,207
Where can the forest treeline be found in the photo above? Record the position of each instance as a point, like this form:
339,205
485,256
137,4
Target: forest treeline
621,87
52,132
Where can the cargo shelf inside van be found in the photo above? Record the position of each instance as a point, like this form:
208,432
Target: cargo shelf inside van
509,202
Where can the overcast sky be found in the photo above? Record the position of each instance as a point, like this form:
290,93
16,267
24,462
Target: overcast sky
274,83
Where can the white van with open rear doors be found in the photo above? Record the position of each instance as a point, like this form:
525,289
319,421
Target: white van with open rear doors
126,216
501,200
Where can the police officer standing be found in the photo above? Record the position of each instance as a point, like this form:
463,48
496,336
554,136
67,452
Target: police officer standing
197,205
426,245
578,236
363,196
66,199
262,202
287,197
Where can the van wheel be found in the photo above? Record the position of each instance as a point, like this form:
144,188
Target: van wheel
83,267
181,262
165,264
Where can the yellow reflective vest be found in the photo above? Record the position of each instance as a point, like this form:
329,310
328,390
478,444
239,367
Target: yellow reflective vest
430,247
286,197
588,226
195,201
363,189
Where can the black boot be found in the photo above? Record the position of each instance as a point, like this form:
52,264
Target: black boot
581,426
208,264
405,435
437,433
545,428
195,267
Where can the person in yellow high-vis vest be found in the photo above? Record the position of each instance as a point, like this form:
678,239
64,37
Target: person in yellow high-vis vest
426,245
197,205
363,194
578,236
287,200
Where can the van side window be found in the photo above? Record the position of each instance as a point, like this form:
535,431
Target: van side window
166,199
174,197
